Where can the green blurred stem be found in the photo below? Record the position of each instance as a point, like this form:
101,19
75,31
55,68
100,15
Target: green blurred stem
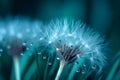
61,67
16,66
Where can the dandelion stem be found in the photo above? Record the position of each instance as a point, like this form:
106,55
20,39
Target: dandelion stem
61,67
17,69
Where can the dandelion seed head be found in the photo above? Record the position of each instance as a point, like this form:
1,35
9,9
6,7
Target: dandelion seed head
73,40
16,34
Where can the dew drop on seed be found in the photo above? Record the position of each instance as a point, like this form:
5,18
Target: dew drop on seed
57,49
83,72
58,58
1,50
39,53
41,39
77,71
21,54
31,44
44,57
49,63
24,44
8,47
84,65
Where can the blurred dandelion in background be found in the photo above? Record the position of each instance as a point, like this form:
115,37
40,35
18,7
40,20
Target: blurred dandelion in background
17,36
74,41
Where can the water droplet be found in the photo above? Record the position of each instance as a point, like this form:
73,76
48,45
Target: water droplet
1,50
58,58
41,39
8,47
44,57
57,49
39,53
84,65
21,54
86,46
50,42
83,72
31,44
24,44
69,34
49,63
77,71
